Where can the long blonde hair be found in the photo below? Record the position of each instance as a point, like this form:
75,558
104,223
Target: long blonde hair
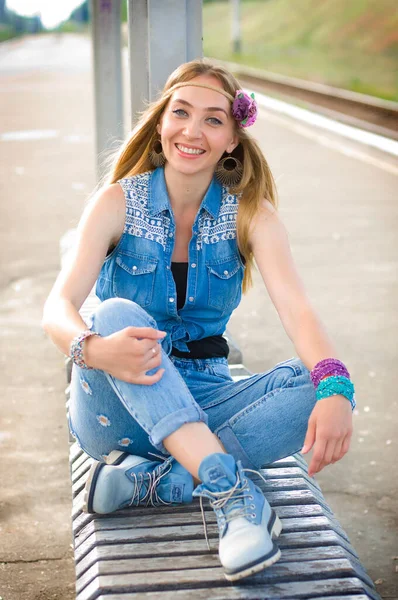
257,181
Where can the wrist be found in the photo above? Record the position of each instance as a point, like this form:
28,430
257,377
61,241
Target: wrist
91,351
336,385
78,346
331,378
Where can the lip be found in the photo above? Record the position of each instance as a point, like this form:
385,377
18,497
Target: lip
191,156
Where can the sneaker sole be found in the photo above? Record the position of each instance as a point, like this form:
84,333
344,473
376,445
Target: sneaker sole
274,528
114,458
255,568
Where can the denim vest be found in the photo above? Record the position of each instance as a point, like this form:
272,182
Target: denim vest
139,267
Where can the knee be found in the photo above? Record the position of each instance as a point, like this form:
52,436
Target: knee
296,369
298,366
115,314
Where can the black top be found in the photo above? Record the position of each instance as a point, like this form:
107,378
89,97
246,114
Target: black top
209,347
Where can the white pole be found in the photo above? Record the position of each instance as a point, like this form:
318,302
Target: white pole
162,35
107,57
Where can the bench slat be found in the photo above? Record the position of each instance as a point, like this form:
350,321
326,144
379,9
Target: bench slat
124,552
132,527
168,515
286,498
289,575
152,564
220,594
179,545
129,551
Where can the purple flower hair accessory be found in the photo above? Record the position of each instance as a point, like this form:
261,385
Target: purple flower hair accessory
244,108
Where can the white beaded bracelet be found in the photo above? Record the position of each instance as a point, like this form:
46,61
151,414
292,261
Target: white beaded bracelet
76,348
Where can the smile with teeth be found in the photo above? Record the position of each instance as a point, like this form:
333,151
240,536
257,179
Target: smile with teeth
190,150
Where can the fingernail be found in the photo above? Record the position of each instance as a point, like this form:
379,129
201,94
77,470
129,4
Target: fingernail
162,333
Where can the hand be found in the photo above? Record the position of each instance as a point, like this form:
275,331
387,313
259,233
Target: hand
127,354
329,432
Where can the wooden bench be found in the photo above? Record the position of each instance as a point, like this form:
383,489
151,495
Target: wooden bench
161,553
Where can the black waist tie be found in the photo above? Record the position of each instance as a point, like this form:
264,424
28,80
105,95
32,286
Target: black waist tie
209,347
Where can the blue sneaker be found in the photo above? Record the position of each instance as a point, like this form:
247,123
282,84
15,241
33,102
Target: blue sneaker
128,480
245,520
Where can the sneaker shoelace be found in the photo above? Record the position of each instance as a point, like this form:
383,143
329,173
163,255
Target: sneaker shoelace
149,481
221,499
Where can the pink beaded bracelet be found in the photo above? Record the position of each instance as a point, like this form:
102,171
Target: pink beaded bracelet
76,348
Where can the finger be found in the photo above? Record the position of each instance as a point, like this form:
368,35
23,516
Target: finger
143,349
150,379
327,457
147,362
345,445
309,438
152,363
337,450
317,457
145,332
329,452
153,352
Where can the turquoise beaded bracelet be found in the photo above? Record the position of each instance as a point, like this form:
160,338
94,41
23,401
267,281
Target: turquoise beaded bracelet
336,384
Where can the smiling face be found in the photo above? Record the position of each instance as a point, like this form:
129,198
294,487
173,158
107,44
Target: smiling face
197,128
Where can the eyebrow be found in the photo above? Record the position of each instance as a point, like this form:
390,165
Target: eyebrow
210,108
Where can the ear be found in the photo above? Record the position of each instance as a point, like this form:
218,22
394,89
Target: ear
159,125
232,145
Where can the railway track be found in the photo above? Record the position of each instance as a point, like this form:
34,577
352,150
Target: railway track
358,110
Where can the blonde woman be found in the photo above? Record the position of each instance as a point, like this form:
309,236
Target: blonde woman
170,241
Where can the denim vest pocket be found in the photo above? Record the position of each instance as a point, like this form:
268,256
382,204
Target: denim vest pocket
224,282
134,277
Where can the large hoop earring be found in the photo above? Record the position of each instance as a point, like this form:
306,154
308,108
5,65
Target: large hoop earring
229,171
156,155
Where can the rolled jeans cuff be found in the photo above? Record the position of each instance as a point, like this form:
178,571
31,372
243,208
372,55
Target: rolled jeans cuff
172,422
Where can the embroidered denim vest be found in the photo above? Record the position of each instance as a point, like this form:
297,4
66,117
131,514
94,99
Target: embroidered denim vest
139,268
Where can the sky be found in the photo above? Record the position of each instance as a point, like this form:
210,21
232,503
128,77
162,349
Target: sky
52,12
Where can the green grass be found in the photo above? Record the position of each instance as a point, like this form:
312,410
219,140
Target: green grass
7,32
352,44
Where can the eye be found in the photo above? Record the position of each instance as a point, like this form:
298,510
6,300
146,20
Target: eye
215,121
180,112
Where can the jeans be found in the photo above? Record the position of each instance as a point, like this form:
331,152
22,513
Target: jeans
259,419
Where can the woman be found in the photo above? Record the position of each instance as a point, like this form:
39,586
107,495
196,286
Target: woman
170,253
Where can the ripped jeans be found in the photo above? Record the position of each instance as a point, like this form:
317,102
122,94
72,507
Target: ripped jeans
259,419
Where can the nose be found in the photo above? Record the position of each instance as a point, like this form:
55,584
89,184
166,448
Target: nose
192,129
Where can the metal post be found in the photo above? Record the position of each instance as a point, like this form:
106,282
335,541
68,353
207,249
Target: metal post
162,35
107,56
236,38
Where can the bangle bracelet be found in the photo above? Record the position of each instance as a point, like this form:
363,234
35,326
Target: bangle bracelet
76,348
328,366
336,385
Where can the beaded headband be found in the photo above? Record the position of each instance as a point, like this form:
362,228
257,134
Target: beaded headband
244,107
